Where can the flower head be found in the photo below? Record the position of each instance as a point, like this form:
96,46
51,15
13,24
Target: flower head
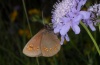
61,9
95,13
67,15
95,8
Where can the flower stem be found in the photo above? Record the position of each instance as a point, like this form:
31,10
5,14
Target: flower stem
26,16
95,44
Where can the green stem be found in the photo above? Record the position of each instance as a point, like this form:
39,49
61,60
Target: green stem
29,25
26,16
37,60
95,44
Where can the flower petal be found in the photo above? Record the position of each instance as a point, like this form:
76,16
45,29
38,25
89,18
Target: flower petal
86,15
76,29
81,3
71,14
91,26
65,20
97,22
65,29
77,19
58,28
74,10
62,40
67,37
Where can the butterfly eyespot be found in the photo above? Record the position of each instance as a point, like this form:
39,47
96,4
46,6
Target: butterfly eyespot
55,48
30,47
50,49
47,50
37,48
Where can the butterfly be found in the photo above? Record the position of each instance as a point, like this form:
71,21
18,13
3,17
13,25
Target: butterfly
44,43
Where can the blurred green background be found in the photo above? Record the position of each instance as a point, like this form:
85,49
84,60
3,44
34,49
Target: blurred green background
15,33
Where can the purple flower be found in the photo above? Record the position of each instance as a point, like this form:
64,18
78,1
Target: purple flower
95,13
67,15
95,8
90,22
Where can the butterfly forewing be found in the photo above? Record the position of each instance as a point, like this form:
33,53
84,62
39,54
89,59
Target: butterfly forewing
50,44
32,48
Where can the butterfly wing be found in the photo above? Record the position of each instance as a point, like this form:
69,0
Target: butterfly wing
32,48
50,44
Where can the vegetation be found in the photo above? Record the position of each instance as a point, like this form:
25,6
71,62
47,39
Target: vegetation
15,31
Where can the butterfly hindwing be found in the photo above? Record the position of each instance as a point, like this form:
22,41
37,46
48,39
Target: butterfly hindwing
50,44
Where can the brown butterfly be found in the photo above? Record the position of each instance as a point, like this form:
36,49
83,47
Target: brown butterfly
44,43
